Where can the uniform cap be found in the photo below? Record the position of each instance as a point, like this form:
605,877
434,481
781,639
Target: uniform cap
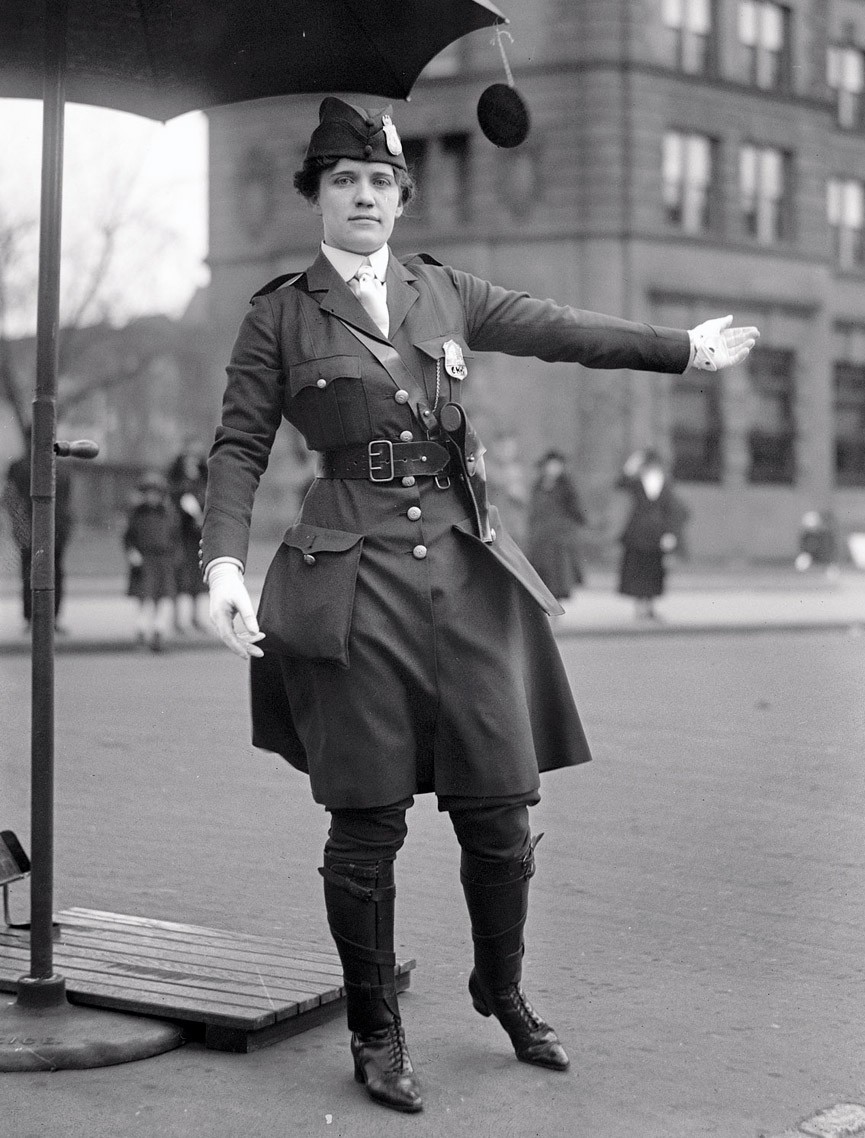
347,131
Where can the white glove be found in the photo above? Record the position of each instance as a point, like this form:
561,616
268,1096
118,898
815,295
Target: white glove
134,557
717,345
228,597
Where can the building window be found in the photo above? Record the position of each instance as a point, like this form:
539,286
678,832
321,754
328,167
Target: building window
764,33
772,437
845,74
689,24
764,185
688,162
845,210
440,167
696,429
849,424
452,180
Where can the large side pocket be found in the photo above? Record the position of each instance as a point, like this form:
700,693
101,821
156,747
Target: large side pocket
308,594
509,555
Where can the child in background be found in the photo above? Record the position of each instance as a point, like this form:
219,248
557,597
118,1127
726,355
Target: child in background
151,542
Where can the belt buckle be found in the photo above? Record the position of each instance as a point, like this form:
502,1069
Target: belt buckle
380,457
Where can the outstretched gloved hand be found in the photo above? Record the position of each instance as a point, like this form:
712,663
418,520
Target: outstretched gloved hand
717,345
229,598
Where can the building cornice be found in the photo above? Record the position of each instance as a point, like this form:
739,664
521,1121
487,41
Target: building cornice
557,69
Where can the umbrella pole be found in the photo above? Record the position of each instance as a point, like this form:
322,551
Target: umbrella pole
42,987
41,1030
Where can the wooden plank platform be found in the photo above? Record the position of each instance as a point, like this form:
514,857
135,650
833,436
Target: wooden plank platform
231,991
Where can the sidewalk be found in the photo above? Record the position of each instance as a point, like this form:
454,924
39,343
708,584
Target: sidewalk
97,616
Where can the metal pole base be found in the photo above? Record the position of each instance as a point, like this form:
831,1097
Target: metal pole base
68,1037
49,992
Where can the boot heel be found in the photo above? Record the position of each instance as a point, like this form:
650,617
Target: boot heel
478,1002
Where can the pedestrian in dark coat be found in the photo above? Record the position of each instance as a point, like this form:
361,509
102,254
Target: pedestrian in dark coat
555,518
407,646
653,530
151,540
17,502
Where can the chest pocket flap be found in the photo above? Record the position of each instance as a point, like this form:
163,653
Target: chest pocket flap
322,372
435,348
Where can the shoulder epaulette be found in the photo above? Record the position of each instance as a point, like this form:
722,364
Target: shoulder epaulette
283,281
427,258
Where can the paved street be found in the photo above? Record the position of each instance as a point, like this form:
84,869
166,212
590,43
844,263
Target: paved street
697,915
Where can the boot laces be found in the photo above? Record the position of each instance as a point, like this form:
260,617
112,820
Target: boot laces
518,1001
398,1047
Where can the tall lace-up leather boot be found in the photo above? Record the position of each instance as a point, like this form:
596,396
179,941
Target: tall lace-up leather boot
360,911
497,894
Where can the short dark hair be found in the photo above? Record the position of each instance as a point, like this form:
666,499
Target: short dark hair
307,180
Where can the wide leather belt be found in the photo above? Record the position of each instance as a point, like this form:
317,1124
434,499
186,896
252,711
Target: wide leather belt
383,460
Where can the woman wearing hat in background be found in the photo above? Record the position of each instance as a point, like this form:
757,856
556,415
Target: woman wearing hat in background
654,529
406,642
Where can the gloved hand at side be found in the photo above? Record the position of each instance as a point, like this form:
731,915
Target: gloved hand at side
229,598
715,345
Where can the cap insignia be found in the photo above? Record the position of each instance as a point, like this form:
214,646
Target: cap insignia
391,137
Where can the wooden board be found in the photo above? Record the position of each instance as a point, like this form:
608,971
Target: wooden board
232,991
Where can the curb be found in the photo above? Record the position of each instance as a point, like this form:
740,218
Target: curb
80,647
852,627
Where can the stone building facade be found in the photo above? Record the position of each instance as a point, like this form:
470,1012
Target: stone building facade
687,158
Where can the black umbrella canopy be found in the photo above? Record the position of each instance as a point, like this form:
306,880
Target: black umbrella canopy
160,58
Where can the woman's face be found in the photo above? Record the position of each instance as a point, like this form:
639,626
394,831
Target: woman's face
358,203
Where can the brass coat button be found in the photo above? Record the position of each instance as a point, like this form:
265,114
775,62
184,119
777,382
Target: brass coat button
406,436
408,480
309,559
419,552
321,383
413,513
401,396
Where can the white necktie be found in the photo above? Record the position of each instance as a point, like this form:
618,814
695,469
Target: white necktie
369,290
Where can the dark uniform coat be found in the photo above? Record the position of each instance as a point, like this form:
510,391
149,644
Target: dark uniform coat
421,657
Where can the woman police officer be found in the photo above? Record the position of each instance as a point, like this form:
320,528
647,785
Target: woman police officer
407,645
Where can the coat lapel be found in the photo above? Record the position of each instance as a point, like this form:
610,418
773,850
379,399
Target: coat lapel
401,295
327,287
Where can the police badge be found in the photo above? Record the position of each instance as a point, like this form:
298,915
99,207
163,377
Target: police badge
455,364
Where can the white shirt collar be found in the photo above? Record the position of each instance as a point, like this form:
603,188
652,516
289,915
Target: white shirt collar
347,264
